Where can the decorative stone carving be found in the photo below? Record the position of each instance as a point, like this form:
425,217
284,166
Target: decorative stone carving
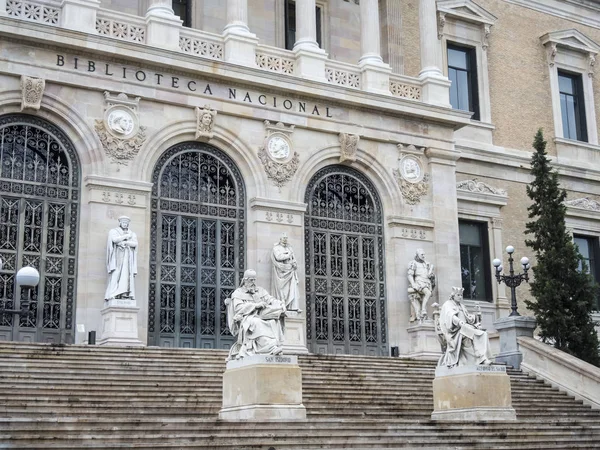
349,145
441,23
284,274
591,64
465,342
485,43
278,158
421,283
584,203
255,319
205,122
32,90
551,51
120,132
121,261
479,187
410,175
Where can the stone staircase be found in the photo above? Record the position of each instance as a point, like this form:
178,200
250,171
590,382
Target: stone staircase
88,397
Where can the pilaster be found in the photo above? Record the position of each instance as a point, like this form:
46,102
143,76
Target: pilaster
78,15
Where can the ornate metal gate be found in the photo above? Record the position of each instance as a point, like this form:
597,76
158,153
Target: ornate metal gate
345,285
39,216
197,246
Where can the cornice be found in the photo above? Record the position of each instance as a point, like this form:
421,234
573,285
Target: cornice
584,12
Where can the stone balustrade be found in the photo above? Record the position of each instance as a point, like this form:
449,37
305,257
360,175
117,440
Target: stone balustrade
275,59
201,43
342,74
405,87
42,11
121,26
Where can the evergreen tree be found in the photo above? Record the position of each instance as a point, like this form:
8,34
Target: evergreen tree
564,295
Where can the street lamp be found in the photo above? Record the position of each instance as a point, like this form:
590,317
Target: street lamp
514,279
27,278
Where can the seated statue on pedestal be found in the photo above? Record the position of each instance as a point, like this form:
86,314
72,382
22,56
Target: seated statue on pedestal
256,319
466,343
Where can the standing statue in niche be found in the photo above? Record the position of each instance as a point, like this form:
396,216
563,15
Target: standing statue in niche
121,261
466,343
421,281
256,318
284,276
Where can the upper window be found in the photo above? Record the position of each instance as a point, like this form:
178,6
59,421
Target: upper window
571,58
572,106
474,260
290,24
588,249
462,72
183,9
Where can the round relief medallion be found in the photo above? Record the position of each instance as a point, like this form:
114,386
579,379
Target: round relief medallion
410,169
121,122
278,147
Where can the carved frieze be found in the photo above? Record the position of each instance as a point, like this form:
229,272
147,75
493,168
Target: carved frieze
32,90
479,186
410,174
348,145
584,203
119,131
277,156
205,122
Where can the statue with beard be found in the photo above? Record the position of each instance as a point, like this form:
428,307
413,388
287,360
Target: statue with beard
421,281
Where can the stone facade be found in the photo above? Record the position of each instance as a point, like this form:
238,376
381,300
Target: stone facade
333,97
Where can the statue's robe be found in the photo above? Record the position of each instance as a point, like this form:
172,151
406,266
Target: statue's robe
121,264
259,330
284,277
466,345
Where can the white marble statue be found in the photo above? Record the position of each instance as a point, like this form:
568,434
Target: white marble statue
256,319
284,275
421,281
466,343
121,261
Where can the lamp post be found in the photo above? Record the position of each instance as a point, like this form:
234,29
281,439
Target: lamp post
27,278
513,279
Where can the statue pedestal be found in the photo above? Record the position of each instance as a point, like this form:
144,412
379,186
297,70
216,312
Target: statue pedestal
262,387
424,342
119,323
294,342
509,329
472,393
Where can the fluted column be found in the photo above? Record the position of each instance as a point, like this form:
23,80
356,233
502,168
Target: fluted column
375,73
436,87
310,59
240,43
79,15
163,26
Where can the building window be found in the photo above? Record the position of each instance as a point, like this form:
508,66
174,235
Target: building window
589,251
183,9
290,24
572,106
474,260
462,72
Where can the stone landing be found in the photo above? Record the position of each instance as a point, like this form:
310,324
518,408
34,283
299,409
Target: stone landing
262,387
473,393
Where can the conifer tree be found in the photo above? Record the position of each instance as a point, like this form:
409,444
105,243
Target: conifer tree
563,295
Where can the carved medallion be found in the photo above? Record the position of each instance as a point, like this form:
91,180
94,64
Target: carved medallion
120,132
349,145
277,156
410,174
205,122
32,90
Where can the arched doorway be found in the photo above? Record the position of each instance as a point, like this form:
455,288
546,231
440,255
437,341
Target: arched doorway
39,219
197,246
345,273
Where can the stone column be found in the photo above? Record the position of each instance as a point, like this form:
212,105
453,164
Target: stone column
436,87
240,43
310,59
163,25
79,15
444,207
375,73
